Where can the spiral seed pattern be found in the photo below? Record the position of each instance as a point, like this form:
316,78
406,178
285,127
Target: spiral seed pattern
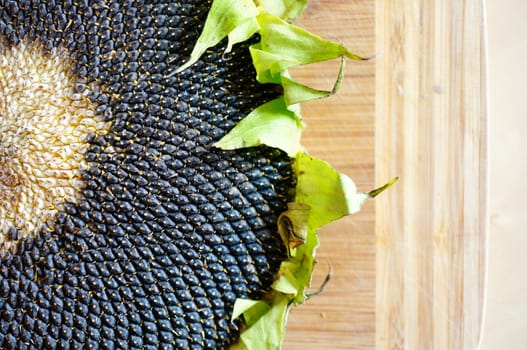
164,232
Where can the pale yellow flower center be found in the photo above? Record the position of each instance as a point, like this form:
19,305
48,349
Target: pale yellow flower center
44,125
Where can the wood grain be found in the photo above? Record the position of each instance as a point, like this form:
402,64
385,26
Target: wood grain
431,131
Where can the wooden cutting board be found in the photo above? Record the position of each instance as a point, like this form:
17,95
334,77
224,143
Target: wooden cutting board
408,271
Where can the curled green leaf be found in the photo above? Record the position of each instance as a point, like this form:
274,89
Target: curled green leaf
295,92
292,225
269,66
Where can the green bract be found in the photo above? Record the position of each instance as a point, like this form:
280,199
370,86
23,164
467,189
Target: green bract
322,194
272,124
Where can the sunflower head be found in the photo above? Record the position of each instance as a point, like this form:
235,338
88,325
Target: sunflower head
145,168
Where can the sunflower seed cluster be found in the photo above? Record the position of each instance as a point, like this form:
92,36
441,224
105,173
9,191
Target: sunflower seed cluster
163,231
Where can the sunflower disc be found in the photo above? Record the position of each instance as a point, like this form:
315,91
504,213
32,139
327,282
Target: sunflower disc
120,225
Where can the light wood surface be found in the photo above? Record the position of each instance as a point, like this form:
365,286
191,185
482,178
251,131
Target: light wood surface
408,271
431,131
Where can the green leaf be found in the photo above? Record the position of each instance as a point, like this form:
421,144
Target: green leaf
270,124
329,193
287,282
269,66
251,310
304,256
242,32
286,9
224,16
295,44
268,331
295,92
